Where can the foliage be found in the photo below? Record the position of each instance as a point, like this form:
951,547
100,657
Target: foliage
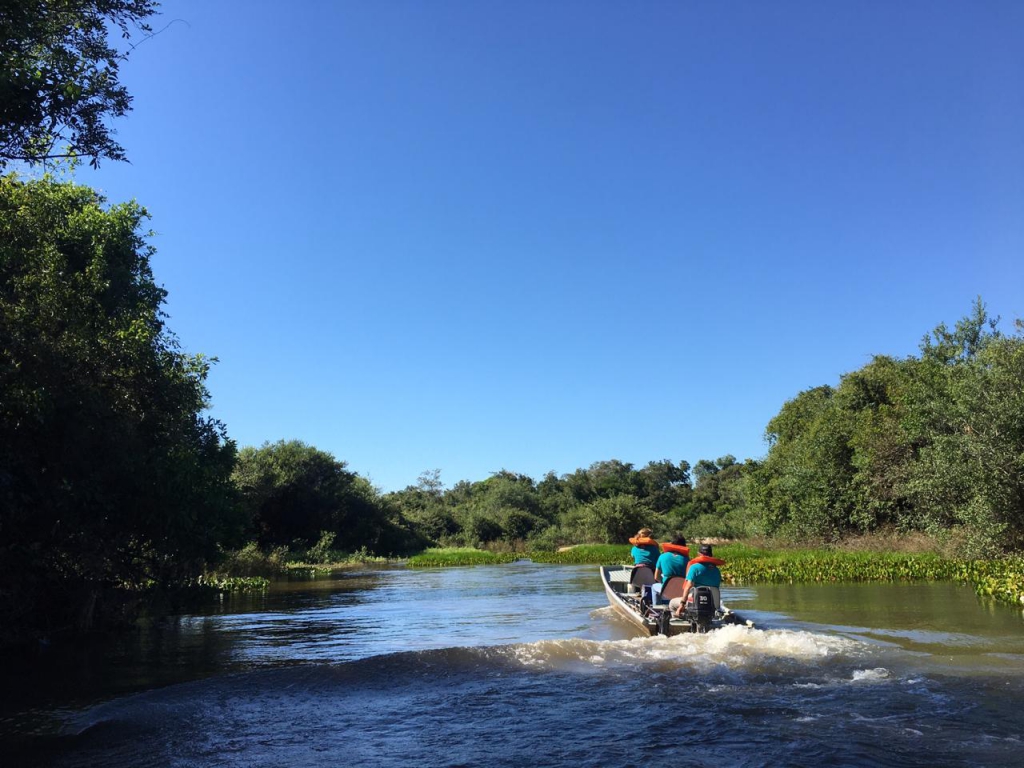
59,76
321,551
293,492
608,519
252,560
443,557
585,554
606,502
110,474
932,443
219,583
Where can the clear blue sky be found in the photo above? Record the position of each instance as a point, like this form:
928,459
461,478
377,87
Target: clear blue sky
533,235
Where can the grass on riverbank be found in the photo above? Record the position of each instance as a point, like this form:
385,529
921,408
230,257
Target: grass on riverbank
451,556
1002,580
255,561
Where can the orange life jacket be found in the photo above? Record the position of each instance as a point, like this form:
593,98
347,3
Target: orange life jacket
645,541
678,549
705,560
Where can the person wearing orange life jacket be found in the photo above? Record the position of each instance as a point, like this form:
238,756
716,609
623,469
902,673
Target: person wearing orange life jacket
672,562
645,549
701,572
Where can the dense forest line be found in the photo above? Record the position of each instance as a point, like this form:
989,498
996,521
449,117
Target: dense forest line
116,485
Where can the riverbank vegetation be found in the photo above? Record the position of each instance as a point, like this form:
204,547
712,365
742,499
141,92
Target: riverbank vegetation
1001,579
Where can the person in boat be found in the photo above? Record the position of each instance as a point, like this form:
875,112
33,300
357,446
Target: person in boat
645,549
671,562
702,571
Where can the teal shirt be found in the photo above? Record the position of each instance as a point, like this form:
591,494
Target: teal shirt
704,575
647,554
671,564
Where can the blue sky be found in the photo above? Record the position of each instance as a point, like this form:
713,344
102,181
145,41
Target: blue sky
530,235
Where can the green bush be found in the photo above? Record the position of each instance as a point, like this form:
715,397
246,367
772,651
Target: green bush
321,551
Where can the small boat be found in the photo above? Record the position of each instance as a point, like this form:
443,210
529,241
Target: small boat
624,586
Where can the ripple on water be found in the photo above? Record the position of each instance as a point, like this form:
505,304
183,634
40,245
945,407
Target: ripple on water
739,696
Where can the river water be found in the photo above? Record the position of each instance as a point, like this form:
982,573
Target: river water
525,665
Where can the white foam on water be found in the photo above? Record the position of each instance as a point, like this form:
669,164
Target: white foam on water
734,647
871,675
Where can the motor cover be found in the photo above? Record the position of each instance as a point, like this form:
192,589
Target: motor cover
703,605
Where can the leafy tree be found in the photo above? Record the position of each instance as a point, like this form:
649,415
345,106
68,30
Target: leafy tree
801,486
518,524
968,403
427,509
554,496
612,478
934,442
110,474
609,520
481,528
295,492
664,485
59,76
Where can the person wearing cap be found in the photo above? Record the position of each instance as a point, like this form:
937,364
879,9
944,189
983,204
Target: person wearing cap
645,549
701,572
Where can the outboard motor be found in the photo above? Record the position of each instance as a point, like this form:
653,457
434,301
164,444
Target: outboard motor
701,609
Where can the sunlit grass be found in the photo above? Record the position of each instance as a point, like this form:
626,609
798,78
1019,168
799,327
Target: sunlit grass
585,554
1001,580
450,556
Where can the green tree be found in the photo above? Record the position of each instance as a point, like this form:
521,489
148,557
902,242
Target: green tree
967,404
59,79
609,520
110,474
664,485
803,486
295,492
612,478
933,442
428,509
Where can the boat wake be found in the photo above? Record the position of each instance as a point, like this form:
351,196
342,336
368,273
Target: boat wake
727,651
760,691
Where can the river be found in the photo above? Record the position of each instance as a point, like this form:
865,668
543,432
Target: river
525,665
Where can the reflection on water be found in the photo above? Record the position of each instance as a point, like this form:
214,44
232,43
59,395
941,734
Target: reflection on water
479,666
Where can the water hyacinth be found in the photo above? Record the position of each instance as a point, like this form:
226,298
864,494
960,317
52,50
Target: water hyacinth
435,558
233,583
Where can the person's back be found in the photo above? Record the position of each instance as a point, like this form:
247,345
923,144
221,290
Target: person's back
701,572
645,549
673,561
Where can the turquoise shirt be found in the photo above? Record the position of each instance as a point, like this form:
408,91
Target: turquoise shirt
672,564
704,575
646,554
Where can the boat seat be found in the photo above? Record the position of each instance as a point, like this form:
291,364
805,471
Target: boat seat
640,577
673,587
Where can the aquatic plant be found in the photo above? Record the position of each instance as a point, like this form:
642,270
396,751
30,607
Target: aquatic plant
220,583
585,554
1001,579
442,557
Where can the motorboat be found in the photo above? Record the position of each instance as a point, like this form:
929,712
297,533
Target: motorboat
628,591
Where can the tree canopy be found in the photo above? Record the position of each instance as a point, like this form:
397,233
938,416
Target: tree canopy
933,442
110,473
59,79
